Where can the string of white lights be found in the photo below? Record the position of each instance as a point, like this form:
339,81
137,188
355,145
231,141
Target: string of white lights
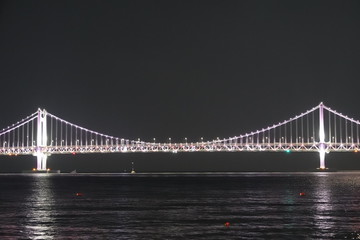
267,129
19,122
95,132
16,126
342,115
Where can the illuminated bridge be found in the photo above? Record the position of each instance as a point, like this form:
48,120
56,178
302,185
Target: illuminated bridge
320,129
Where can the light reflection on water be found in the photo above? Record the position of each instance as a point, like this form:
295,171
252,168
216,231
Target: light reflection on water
258,206
323,203
40,209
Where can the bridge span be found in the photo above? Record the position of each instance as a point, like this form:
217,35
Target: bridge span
319,129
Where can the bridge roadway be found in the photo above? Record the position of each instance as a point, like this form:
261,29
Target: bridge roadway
182,147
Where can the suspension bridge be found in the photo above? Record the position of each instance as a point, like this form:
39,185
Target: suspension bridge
320,129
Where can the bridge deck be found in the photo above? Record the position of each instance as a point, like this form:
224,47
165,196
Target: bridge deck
182,147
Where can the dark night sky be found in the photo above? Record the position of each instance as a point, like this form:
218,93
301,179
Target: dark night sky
145,69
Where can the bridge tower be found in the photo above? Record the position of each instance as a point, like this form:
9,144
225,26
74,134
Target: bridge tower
322,145
41,142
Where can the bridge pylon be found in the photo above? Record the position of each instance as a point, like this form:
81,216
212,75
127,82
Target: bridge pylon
322,145
41,140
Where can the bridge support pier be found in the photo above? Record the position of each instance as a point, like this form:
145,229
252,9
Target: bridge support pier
322,152
41,140
322,146
41,161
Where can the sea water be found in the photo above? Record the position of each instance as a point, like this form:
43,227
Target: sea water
180,206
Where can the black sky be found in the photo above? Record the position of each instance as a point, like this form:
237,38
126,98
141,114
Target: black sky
160,69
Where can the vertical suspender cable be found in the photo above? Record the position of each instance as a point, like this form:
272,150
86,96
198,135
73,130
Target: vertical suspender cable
22,140
291,133
340,130
61,133
51,130
56,132
357,132
27,134
76,140
32,133
346,131
302,129
13,140
296,130
71,137
9,139
335,128
307,127
274,136
18,136
313,127
280,134
329,126
352,135
66,133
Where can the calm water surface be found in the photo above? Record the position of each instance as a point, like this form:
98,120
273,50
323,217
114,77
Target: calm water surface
184,206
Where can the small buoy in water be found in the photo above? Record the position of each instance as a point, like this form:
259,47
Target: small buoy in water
79,194
302,194
227,224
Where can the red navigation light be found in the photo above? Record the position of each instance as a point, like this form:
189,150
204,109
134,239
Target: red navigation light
73,153
302,194
227,224
79,194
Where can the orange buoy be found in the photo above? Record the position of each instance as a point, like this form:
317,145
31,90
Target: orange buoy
227,224
302,194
